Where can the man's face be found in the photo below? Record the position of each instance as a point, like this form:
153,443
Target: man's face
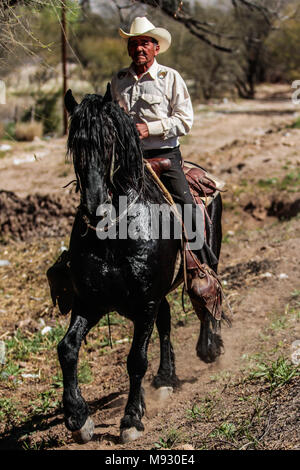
142,50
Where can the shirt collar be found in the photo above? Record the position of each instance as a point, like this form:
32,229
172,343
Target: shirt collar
152,70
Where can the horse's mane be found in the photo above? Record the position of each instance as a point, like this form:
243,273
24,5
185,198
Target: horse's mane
101,131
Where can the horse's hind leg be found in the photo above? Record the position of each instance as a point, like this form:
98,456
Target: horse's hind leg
166,375
131,425
75,407
210,344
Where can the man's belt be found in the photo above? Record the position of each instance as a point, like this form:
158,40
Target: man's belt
158,152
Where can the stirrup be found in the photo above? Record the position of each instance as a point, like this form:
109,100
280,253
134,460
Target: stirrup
204,287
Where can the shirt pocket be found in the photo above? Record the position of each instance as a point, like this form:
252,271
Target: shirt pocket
151,99
150,105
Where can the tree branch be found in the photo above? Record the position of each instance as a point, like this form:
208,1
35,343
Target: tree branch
196,27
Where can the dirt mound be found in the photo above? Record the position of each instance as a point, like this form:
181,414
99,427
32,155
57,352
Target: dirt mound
36,215
235,275
273,206
284,210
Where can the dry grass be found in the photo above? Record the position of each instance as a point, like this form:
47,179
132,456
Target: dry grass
29,130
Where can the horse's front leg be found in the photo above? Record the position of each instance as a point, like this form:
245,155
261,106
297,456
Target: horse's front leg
166,377
75,407
131,424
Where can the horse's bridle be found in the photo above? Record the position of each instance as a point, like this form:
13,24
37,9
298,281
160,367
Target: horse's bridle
87,221
112,171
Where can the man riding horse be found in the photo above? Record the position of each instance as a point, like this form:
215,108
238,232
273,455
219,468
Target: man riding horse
157,99
132,276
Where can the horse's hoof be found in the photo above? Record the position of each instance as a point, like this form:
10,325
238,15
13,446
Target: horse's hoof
164,393
84,434
130,434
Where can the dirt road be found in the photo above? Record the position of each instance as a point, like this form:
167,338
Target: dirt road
248,399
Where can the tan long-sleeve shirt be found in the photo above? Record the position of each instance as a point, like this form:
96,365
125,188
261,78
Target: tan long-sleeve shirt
158,98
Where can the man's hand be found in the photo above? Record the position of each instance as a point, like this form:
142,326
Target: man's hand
142,129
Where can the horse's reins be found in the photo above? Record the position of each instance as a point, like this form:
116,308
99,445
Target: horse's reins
114,221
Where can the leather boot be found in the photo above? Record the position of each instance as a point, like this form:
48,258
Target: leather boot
204,287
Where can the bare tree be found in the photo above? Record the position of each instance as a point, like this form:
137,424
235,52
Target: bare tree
10,22
206,31
85,5
254,26
253,21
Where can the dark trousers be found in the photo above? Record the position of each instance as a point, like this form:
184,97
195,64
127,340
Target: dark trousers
175,182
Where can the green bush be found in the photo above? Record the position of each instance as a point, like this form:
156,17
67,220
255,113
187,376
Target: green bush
27,131
283,50
10,131
45,111
104,57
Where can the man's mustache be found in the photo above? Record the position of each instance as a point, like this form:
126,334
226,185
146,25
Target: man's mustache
139,54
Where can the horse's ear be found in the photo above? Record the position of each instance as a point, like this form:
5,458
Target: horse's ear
70,102
108,95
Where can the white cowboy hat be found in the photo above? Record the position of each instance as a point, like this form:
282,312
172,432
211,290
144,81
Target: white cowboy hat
141,26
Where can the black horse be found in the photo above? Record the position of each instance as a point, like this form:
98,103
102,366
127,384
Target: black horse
132,275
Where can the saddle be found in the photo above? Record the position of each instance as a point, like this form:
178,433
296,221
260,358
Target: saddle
159,165
203,186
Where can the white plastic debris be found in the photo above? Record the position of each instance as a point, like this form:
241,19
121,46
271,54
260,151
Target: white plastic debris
283,276
30,376
5,147
2,353
4,262
224,283
124,340
26,159
230,233
46,330
267,274
29,158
